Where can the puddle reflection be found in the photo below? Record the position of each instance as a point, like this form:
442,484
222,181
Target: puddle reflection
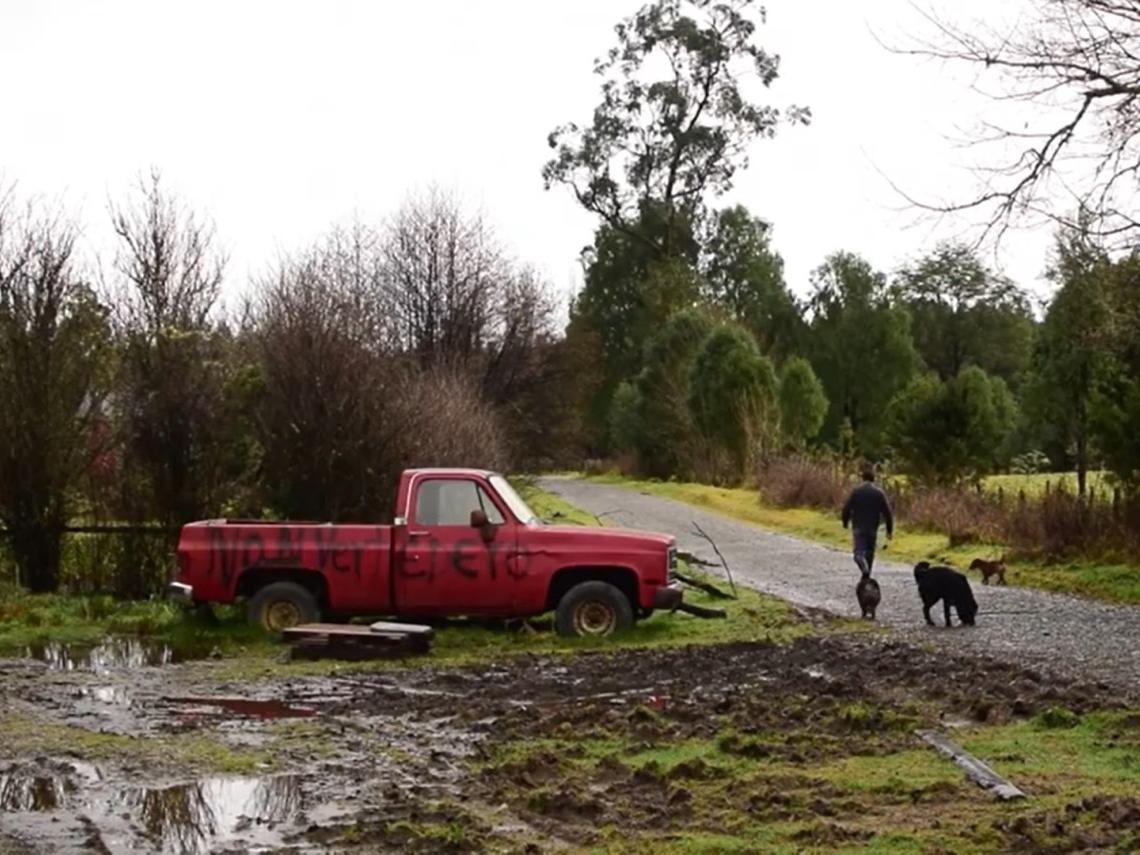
34,793
42,790
111,654
193,817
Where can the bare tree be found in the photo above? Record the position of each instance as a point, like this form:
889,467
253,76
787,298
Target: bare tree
442,271
175,357
55,366
327,433
1066,76
343,408
458,301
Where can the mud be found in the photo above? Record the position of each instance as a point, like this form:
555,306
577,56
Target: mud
537,753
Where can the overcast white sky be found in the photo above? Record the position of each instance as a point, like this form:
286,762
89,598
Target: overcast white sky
281,118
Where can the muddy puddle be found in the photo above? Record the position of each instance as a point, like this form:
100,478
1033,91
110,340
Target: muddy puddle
236,707
111,654
57,805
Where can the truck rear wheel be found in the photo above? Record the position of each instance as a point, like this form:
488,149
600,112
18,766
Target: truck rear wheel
281,605
593,608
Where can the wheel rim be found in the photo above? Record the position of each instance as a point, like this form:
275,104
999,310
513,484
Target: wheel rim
594,618
281,615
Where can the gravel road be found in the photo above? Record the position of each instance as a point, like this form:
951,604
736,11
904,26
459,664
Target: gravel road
1081,637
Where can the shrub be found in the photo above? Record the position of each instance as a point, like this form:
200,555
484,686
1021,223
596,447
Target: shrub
803,481
733,396
803,403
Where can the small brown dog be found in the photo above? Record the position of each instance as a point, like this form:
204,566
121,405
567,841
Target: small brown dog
990,568
868,594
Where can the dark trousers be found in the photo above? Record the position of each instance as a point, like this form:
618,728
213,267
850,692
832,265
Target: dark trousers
863,546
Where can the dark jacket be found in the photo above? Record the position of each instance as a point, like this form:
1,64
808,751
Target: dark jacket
866,507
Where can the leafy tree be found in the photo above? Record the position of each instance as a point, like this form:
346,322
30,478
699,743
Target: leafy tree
672,128
665,427
662,143
946,431
860,346
56,363
1116,410
742,274
962,314
733,395
624,422
1072,359
627,297
803,403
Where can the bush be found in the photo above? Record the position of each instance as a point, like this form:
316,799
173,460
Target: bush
947,432
803,403
733,397
803,481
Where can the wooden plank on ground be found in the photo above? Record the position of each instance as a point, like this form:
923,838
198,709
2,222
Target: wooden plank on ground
401,628
306,630
975,769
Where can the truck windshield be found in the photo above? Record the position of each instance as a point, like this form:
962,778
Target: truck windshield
514,501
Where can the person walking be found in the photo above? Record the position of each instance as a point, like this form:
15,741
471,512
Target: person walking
865,509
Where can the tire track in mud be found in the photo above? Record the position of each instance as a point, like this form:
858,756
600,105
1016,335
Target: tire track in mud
1076,636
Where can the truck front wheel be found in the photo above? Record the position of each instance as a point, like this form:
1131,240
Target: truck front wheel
281,605
593,608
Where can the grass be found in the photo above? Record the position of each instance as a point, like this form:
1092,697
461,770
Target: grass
186,752
1099,752
1118,583
904,800
1035,484
29,620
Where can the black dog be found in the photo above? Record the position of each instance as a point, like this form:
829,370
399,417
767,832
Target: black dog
950,586
867,593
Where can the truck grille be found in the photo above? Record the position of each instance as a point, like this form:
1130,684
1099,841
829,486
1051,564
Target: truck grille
671,564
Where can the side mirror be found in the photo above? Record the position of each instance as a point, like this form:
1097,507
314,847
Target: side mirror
479,520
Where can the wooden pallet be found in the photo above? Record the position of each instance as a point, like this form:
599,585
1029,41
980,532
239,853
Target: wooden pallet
381,640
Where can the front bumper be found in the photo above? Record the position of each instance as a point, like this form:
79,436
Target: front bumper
668,597
180,592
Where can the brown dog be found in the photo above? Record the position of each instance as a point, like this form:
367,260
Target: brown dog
990,568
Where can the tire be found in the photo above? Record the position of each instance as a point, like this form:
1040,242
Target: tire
280,605
593,609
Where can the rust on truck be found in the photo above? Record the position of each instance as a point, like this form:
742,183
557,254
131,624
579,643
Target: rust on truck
463,543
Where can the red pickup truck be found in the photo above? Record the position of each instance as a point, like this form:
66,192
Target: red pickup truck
463,543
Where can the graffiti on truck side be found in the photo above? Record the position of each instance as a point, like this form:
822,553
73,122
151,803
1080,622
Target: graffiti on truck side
468,558
233,550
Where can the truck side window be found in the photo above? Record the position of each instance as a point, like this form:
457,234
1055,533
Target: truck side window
451,501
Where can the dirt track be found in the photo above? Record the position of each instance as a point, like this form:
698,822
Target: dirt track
1081,637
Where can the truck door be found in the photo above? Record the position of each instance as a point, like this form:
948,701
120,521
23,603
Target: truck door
445,565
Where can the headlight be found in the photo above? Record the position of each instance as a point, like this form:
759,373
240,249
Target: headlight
670,563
